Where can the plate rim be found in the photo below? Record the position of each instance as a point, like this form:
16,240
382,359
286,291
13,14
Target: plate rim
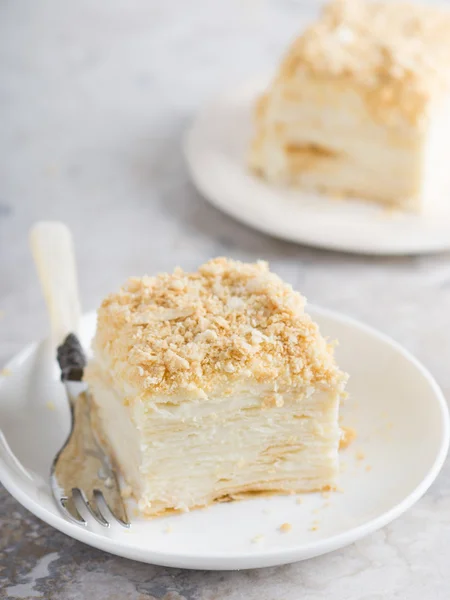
219,198
260,557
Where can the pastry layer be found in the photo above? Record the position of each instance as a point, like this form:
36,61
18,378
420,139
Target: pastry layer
184,455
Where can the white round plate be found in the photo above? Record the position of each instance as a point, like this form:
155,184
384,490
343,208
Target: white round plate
216,147
396,407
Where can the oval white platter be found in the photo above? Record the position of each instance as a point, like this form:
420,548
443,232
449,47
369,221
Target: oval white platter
396,407
216,147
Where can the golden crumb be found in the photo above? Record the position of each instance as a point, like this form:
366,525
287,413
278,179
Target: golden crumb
195,332
126,492
368,468
360,455
258,539
348,434
5,372
285,527
50,405
390,212
335,196
396,53
273,400
314,528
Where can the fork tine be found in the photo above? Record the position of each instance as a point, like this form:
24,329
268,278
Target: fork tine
103,508
67,506
81,500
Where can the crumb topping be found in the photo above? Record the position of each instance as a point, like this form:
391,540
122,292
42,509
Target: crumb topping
285,527
194,332
398,51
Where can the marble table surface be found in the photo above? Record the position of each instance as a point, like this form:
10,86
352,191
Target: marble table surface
94,99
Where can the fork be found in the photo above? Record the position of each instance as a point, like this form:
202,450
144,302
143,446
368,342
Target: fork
83,479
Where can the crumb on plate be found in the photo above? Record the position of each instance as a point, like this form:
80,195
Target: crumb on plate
390,212
348,434
51,169
285,527
258,539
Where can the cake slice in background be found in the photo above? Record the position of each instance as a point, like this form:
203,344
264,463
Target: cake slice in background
214,384
360,107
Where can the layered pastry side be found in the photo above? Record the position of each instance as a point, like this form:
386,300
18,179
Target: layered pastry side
213,385
360,106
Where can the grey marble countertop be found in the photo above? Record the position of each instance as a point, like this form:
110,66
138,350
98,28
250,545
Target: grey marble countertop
94,99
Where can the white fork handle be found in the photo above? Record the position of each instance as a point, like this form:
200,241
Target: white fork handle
54,257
